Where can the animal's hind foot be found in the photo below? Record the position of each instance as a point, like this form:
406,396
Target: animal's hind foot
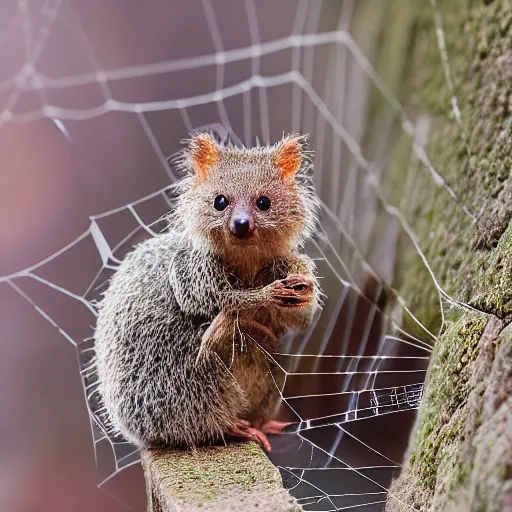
244,430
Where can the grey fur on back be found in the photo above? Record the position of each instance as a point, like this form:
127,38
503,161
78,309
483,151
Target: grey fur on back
146,348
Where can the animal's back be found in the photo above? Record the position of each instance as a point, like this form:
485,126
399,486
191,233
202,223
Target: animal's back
152,387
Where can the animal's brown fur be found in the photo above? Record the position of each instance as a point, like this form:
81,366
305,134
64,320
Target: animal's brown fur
165,376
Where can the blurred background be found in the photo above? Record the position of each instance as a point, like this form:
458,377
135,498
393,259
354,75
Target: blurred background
94,96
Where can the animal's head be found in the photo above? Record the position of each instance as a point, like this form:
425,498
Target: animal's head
258,200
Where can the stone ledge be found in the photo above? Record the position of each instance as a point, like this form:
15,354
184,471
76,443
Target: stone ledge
219,478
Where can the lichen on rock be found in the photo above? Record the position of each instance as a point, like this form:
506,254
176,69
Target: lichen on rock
460,456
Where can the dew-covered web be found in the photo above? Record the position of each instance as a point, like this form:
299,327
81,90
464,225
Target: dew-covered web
354,379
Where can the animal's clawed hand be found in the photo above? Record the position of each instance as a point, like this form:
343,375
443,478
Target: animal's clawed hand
294,291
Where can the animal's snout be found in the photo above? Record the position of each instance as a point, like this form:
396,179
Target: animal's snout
241,226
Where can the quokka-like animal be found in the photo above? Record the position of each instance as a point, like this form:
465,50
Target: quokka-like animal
188,323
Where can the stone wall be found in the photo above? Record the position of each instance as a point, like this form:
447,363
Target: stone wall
460,455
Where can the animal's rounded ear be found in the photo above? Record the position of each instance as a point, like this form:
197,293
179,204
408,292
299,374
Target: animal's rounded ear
290,153
202,154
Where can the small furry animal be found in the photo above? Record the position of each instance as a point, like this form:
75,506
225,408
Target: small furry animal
187,326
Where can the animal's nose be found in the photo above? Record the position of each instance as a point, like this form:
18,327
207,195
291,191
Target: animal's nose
241,226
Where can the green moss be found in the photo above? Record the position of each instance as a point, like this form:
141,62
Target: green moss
208,473
474,159
494,289
466,239
463,225
441,422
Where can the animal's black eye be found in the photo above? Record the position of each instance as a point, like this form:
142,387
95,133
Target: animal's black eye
263,203
221,202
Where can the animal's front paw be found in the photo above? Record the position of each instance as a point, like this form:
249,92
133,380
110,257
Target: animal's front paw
294,291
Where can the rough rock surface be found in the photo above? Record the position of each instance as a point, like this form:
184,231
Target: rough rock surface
460,454
222,478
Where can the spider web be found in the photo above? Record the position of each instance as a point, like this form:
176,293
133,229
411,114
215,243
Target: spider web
357,370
